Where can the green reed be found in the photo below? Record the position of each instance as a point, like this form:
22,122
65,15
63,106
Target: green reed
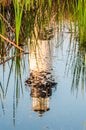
18,7
2,46
82,21
74,11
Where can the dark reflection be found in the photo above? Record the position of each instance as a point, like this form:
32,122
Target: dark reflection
41,85
40,99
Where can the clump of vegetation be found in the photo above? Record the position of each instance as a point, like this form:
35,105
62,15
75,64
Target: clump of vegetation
74,11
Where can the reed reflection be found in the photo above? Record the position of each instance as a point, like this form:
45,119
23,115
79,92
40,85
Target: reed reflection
77,59
11,84
2,98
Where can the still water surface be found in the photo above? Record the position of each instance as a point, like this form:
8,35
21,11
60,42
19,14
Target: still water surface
67,102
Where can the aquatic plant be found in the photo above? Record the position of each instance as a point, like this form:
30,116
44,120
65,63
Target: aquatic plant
18,7
82,20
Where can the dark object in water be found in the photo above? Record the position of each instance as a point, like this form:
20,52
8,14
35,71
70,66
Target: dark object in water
41,84
40,79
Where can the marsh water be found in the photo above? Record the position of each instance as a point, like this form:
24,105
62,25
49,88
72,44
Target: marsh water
23,104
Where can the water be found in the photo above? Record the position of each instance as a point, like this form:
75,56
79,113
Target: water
67,101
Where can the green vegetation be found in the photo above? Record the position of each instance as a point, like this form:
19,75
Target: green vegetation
18,7
74,11
82,21
32,20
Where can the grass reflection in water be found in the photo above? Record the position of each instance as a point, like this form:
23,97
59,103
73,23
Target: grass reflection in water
76,64
38,24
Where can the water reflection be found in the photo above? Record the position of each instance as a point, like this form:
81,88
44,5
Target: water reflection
41,79
40,58
11,78
38,35
76,63
40,99
2,97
